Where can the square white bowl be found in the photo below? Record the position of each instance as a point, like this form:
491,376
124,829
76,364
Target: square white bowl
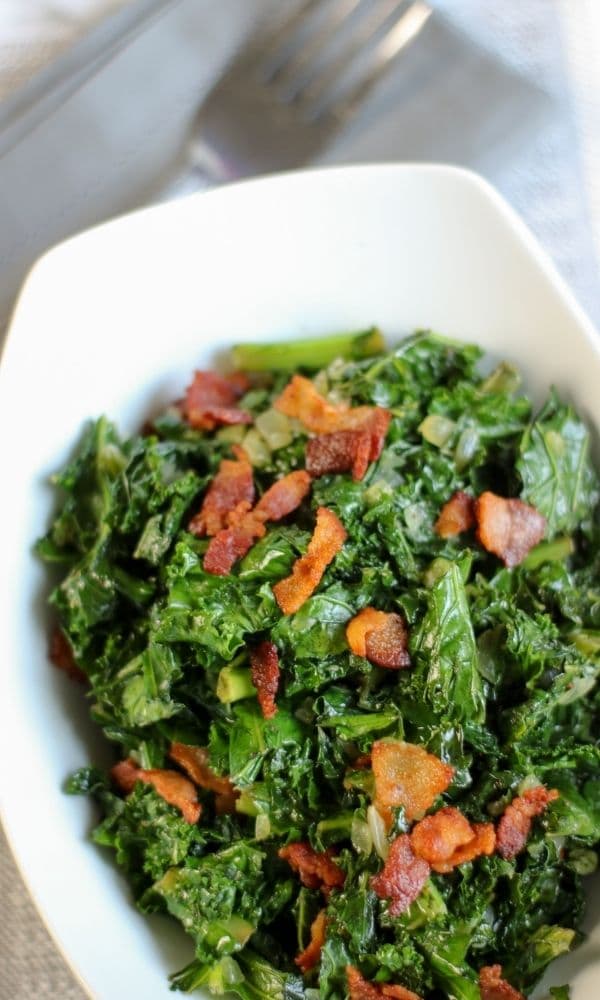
113,322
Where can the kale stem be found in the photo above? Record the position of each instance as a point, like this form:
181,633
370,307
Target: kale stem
315,353
554,551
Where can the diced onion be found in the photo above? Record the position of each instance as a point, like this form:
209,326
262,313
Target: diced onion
435,571
321,382
415,516
583,860
505,378
275,428
231,435
262,826
437,429
231,971
466,448
378,832
360,835
256,448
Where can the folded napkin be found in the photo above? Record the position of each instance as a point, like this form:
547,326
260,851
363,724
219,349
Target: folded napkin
34,32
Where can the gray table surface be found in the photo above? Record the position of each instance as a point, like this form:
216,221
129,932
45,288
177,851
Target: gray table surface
129,122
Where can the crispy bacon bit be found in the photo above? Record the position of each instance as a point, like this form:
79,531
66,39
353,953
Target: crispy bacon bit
398,992
170,785
436,838
232,544
283,497
264,662
317,869
342,451
232,486
493,987
210,400
407,775
360,626
381,637
247,526
125,774
402,876
483,843
61,655
225,803
515,824
387,646
447,839
348,450
311,955
301,400
194,761
508,528
456,516
328,537
360,989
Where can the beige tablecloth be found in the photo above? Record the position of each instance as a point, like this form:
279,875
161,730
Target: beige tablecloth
33,31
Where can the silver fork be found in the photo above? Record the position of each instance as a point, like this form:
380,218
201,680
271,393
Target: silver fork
294,86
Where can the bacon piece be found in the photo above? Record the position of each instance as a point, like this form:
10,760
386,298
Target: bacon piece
232,544
210,400
342,451
402,877
456,516
301,400
232,487
348,450
381,637
311,955
407,775
194,761
515,823
246,527
125,774
436,838
264,663
508,528
359,627
398,992
283,497
483,843
360,989
328,537
170,785
447,839
387,645
317,869
61,655
493,987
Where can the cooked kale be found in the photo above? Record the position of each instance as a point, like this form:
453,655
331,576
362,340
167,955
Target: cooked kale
502,683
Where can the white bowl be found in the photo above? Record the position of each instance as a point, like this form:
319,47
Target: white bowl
114,321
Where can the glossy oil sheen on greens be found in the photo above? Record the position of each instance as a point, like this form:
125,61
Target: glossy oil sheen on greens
503,682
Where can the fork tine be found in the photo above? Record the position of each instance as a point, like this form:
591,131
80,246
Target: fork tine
324,82
400,35
288,70
266,43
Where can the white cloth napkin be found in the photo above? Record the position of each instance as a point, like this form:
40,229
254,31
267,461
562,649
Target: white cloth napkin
34,32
